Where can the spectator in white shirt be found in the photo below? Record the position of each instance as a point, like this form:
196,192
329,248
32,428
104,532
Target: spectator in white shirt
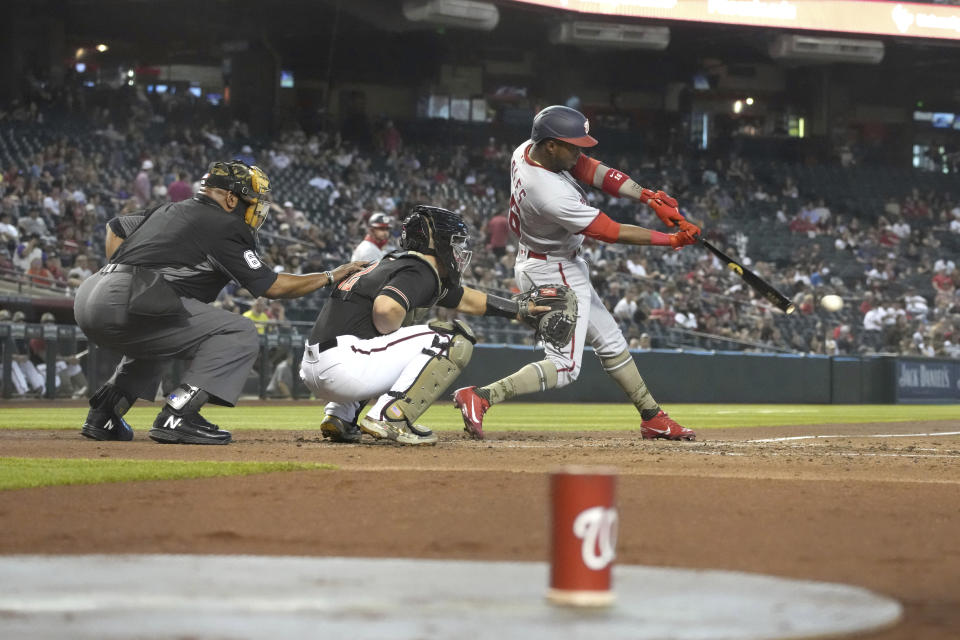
916,305
901,229
626,307
873,320
637,267
8,233
686,319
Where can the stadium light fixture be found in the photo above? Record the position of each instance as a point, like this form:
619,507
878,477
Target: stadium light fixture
80,52
102,48
749,102
738,106
130,73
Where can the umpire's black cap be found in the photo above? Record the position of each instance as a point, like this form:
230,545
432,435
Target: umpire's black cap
562,123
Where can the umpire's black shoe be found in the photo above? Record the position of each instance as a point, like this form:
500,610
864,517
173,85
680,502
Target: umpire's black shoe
190,428
106,425
338,430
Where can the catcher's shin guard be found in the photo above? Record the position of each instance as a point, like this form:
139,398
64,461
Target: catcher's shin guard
450,357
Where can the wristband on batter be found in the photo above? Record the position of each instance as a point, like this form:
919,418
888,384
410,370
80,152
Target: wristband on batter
329,275
660,239
613,180
501,307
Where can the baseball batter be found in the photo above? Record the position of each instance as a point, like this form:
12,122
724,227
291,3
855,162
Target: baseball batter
359,350
550,214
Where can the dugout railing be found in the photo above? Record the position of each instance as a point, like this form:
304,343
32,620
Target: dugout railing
675,375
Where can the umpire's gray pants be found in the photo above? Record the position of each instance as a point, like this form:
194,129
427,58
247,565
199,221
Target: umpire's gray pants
221,346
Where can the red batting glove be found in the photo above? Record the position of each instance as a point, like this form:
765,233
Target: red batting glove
650,194
689,227
668,214
681,239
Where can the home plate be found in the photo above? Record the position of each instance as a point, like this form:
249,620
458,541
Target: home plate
219,597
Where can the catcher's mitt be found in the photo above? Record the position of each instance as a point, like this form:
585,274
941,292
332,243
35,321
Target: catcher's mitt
555,326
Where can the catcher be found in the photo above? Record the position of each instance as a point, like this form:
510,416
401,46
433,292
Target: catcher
359,349
550,214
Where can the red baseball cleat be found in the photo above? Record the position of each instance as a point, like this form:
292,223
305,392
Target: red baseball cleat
472,407
663,426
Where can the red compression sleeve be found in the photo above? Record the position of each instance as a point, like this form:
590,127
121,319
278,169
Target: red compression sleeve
585,168
613,181
603,228
660,239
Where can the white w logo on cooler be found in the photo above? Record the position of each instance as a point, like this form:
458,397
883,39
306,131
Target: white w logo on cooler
597,527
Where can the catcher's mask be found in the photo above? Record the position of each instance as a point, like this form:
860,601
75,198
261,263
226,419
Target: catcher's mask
450,236
249,183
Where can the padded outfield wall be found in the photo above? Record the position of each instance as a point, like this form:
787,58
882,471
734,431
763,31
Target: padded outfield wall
673,375
738,377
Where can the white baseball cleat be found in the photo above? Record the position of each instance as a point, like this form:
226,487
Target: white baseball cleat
398,431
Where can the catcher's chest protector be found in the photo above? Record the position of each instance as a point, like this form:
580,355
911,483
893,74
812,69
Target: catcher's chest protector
367,283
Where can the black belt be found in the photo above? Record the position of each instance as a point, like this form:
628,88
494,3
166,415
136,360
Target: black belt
326,344
119,268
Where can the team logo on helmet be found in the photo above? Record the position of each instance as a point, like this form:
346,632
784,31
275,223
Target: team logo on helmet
586,126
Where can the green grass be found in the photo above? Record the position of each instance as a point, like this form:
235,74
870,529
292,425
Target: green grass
534,417
23,473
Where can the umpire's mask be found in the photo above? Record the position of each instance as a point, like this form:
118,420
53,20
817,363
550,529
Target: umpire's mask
249,183
450,239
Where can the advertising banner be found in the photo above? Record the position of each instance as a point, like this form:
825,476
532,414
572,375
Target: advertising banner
928,381
901,19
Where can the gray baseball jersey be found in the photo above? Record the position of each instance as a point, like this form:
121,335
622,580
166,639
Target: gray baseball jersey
547,210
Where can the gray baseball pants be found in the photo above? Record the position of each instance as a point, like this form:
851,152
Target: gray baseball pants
220,346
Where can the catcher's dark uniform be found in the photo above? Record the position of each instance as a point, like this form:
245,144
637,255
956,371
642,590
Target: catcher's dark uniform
369,364
403,276
196,248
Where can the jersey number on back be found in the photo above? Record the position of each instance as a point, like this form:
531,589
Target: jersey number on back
347,284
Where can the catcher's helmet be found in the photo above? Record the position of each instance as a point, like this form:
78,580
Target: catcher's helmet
450,236
562,123
379,221
249,183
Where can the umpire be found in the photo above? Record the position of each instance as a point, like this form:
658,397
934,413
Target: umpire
151,304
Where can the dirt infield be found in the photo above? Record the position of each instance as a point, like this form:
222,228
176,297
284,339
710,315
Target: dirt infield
863,509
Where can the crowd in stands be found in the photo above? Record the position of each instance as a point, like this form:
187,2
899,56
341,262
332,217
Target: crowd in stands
886,240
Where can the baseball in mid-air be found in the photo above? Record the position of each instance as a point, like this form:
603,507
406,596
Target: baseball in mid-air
831,302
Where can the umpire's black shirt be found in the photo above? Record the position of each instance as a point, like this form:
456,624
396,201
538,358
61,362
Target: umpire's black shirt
405,277
198,248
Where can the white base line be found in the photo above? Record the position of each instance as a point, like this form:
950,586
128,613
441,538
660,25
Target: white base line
839,454
876,435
